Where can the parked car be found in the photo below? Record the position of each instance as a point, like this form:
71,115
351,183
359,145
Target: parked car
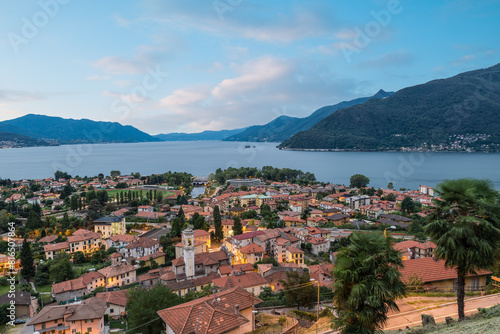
19,321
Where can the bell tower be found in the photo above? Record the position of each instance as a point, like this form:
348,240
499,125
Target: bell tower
188,251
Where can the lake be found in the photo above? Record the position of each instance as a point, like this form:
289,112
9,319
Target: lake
405,170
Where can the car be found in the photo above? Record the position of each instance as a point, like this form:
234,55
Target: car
19,321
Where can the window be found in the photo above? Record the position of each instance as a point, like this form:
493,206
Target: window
73,322
89,320
111,310
474,284
89,330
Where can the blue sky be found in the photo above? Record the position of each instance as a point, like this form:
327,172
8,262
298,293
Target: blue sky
187,66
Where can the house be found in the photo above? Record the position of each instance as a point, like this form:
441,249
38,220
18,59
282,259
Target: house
78,287
73,318
236,211
84,241
355,202
119,241
293,221
25,305
48,239
250,253
339,219
426,190
294,255
230,269
319,245
274,275
228,311
145,208
152,277
321,272
181,288
158,257
250,281
116,301
202,265
201,242
140,247
52,249
412,249
435,275
109,226
118,275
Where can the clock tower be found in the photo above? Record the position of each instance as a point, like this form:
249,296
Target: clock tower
188,251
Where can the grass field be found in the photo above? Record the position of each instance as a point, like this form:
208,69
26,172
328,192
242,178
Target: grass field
44,288
166,193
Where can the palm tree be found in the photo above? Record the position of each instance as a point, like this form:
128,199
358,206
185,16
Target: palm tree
465,227
367,283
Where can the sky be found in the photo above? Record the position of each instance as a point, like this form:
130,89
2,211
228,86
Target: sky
191,65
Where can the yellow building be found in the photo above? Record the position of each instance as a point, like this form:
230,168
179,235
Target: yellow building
109,226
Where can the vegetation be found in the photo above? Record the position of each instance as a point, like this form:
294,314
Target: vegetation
267,173
143,303
27,262
359,181
367,283
433,113
299,291
466,228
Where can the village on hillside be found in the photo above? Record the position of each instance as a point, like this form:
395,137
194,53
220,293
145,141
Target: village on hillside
227,253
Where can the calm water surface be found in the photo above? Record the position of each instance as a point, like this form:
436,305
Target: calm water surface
407,170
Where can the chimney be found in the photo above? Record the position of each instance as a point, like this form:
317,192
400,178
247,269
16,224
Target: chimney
236,309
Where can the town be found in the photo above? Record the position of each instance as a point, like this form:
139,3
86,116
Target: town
238,251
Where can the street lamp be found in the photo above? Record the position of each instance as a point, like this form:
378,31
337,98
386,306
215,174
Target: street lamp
391,227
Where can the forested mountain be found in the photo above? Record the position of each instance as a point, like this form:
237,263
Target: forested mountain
65,131
457,113
8,139
205,135
284,127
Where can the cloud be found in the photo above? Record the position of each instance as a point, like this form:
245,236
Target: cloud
8,95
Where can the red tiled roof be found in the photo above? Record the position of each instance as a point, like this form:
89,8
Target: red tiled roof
225,270
248,235
294,250
251,249
245,280
430,270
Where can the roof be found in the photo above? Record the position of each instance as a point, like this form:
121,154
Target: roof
242,279
200,233
391,222
155,233
293,249
111,271
122,237
48,239
81,235
211,314
338,216
404,245
118,297
251,249
153,256
226,270
107,220
192,283
19,297
430,270
248,235
76,311
56,247
204,258
142,243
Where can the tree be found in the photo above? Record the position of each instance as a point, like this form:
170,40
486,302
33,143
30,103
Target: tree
177,225
34,221
61,175
143,303
115,173
61,269
391,197
94,210
299,290
465,225
219,234
359,181
367,283
79,257
102,196
74,202
237,227
390,185
27,261
408,205
90,195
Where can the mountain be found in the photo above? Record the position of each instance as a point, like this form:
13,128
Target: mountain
205,135
457,113
67,131
284,127
8,139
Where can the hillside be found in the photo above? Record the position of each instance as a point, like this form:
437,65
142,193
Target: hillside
66,131
457,113
11,140
205,135
284,127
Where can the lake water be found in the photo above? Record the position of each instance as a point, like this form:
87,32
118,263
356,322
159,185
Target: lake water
405,170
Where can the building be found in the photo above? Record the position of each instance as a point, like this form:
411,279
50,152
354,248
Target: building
109,226
118,275
250,281
140,247
355,202
229,311
116,301
119,241
78,287
250,253
84,241
70,319
426,190
294,255
201,242
181,288
25,305
435,275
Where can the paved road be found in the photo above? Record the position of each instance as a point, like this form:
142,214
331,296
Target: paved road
413,318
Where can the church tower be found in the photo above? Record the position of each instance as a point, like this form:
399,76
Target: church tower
188,251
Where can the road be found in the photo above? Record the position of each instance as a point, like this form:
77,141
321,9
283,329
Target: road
413,317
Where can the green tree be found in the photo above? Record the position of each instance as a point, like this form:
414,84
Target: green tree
359,181
391,197
177,225
61,269
367,283
34,221
94,210
299,290
143,303
219,234
79,257
27,261
465,225
390,185
90,195
408,205
102,196
74,202
237,227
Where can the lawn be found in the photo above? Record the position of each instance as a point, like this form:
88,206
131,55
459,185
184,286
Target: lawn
117,324
113,192
4,289
44,288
